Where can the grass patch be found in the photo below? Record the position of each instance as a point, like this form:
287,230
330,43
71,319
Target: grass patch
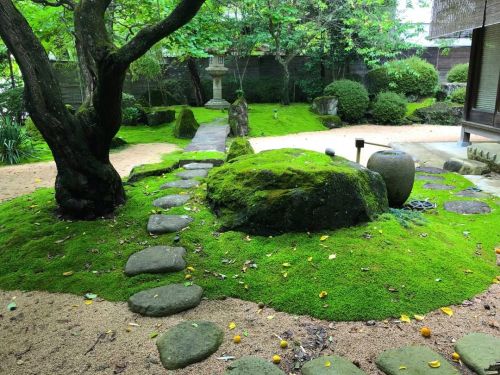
36,249
412,107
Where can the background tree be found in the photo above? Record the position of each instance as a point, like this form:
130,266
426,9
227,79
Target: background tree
87,185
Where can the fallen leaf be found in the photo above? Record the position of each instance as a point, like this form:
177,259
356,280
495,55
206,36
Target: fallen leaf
419,318
332,256
310,259
12,306
270,317
286,264
434,364
190,269
88,302
153,335
90,296
446,310
324,238
328,364
68,273
405,319
402,367
232,325
323,294
134,325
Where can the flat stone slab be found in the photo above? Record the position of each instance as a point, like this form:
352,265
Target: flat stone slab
478,351
187,343
158,259
210,137
439,187
181,184
252,366
466,167
194,166
467,207
429,177
170,201
416,360
331,365
160,224
165,300
471,194
431,170
187,175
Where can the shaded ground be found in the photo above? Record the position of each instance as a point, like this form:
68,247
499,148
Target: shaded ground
58,334
23,179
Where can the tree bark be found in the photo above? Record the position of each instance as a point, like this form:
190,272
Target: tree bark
285,95
195,79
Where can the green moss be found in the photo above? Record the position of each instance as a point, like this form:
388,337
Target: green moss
186,125
412,107
240,146
331,121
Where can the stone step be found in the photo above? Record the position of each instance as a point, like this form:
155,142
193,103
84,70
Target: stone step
467,207
466,167
181,184
413,360
158,259
210,137
188,175
252,366
165,300
429,177
430,170
479,351
331,365
438,186
161,224
194,166
189,342
170,201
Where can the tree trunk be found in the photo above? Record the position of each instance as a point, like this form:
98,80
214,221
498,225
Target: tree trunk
195,79
285,95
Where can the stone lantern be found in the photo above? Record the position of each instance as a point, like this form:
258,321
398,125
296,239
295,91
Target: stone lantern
217,70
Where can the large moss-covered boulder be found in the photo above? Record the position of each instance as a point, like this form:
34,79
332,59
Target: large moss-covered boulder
238,118
160,116
294,190
186,125
240,146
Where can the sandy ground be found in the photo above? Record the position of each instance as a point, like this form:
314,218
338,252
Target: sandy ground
342,139
26,178
53,334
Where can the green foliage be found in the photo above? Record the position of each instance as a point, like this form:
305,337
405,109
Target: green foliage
458,95
117,142
441,113
186,125
12,103
331,121
239,147
353,99
14,142
377,80
412,77
389,108
128,100
458,73
412,107
32,130
132,116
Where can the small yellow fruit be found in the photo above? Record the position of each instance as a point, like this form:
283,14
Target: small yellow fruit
497,250
455,356
425,331
237,339
284,344
276,359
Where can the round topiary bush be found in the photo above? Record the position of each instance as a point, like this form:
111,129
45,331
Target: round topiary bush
389,108
240,146
412,77
458,95
186,125
377,80
353,99
284,190
458,73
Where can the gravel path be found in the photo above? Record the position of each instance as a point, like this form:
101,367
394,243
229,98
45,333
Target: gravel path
25,178
51,334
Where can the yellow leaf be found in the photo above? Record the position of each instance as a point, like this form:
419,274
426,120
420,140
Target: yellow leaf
190,269
434,364
332,256
496,281
310,259
285,274
328,364
405,319
456,357
324,238
68,273
188,276
447,311
286,264
232,325
402,367
323,294
270,317
419,318
88,302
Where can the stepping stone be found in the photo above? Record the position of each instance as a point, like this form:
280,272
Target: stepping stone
478,351
439,187
416,360
171,201
160,224
187,175
158,259
252,366
165,300
431,170
467,207
331,365
471,194
428,177
192,166
181,184
187,343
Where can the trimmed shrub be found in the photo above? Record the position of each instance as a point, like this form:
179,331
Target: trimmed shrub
389,108
412,76
441,113
377,80
240,146
458,73
353,99
14,142
458,96
186,125
128,100
331,121
160,116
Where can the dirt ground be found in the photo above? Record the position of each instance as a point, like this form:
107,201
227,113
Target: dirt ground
25,178
53,334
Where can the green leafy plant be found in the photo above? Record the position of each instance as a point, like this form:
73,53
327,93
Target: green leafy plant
389,108
14,142
353,99
458,96
12,103
458,73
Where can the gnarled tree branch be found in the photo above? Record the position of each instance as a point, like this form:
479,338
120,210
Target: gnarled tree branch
68,4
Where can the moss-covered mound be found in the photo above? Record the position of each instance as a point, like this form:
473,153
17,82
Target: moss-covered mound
160,116
186,125
294,190
240,146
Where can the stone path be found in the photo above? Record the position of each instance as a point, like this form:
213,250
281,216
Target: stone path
210,137
467,207
158,259
478,351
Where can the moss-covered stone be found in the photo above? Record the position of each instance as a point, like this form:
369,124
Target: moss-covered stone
294,190
186,125
239,147
331,121
160,116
